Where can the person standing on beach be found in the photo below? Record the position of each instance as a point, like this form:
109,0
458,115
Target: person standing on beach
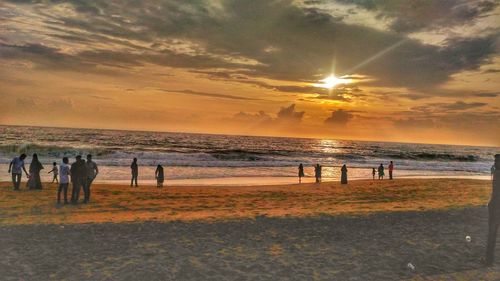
92,171
135,172
301,172
317,173
16,166
35,181
493,214
63,185
55,172
343,177
160,177
391,168
373,173
78,176
381,173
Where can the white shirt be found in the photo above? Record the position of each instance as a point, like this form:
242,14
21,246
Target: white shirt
17,165
64,171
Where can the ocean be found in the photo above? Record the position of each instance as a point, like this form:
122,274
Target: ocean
226,159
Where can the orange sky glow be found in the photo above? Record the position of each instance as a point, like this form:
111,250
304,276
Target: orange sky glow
411,71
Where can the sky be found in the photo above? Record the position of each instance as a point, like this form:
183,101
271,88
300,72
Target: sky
411,71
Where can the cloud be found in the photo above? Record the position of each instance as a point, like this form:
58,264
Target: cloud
460,105
417,15
260,118
289,114
232,36
205,94
339,117
487,95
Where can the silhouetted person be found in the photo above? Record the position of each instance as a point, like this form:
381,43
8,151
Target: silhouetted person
301,172
63,185
78,178
55,172
160,177
373,173
343,177
317,173
492,171
135,172
35,181
493,214
391,168
92,171
381,173
16,166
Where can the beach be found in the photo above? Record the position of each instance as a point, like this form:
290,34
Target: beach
366,230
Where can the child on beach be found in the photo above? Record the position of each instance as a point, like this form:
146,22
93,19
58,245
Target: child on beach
159,176
373,173
55,172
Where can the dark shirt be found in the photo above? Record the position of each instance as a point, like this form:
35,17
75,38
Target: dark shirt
159,172
495,194
134,167
78,170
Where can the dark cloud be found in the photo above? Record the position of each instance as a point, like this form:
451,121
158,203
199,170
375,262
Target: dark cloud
303,42
460,105
445,107
289,114
339,117
487,95
205,94
417,15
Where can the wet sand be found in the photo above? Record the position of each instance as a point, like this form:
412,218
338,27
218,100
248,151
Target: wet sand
367,230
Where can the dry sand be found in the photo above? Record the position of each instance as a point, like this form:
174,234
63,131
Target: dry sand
119,203
368,230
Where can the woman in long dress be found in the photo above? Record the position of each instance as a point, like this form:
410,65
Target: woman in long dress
35,167
301,172
381,173
343,177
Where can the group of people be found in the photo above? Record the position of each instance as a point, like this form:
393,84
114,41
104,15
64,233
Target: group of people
343,172
81,172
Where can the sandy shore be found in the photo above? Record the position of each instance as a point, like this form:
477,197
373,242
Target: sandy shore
372,247
120,203
366,230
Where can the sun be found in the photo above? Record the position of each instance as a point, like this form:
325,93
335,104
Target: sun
331,82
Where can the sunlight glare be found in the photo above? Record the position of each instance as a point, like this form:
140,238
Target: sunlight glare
331,82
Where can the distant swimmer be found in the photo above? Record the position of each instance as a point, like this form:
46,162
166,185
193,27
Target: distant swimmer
160,177
135,172
54,172
381,173
301,172
343,177
16,166
391,168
